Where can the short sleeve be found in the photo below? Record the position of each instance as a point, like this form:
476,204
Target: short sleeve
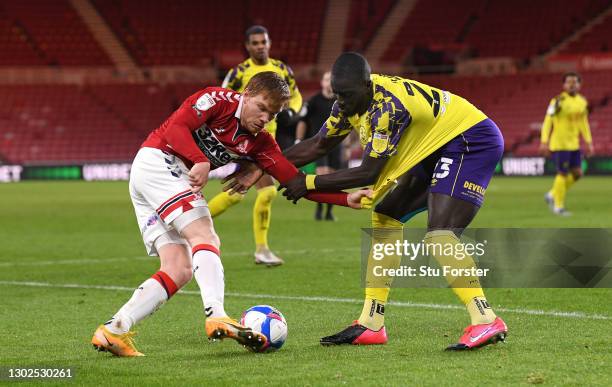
337,125
387,129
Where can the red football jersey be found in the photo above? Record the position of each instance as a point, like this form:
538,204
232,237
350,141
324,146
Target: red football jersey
206,127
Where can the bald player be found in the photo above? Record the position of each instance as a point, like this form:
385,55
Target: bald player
425,149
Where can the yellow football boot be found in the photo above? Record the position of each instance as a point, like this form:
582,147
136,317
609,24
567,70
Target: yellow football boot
119,345
219,328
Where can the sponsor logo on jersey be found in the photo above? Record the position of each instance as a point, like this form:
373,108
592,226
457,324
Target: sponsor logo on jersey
216,152
242,147
474,187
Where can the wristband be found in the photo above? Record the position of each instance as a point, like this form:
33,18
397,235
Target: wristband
310,182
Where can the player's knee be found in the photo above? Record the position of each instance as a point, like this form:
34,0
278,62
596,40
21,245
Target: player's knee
201,232
196,226
205,238
213,239
267,194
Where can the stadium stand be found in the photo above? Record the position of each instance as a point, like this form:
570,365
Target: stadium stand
437,23
15,44
53,32
41,123
596,39
365,16
482,26
61,123
547,24
195,33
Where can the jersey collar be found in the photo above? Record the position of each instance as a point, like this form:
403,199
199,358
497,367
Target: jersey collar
252,62
239,130
239,109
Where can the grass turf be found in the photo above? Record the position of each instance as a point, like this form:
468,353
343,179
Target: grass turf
86,234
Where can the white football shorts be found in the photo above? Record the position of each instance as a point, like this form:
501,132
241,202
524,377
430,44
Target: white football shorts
160,192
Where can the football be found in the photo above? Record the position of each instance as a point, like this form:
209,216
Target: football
269,321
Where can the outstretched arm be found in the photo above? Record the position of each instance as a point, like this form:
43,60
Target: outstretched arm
311,149
300,154
364,175
274,163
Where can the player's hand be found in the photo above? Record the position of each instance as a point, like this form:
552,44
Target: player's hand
354,198
198,176
544,151
245,176
590,150
285,117
295,188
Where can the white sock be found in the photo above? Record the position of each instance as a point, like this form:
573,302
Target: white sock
149,296
208,272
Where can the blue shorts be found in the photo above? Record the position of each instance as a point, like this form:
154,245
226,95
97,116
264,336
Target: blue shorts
566,160
463,167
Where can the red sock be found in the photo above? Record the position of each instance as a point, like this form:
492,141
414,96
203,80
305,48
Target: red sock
166,282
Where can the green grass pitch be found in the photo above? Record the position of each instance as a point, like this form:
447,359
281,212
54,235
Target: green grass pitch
58,234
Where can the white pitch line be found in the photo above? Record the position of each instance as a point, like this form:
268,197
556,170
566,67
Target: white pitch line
87,261
91,261
549,313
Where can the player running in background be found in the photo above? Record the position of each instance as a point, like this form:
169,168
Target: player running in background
212,128
317,111
568,118
258,46
424,149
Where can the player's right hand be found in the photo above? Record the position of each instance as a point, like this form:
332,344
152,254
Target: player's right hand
245,176
198,176
354,198
544,151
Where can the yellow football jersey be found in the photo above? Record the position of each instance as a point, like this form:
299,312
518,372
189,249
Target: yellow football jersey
568,117
238,77
406,122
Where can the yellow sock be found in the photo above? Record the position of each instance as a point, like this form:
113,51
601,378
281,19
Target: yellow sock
467,288
220,203
262,210
559,190
384,230
569,181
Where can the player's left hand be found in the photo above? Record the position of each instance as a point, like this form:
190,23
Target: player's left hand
354,198
590,150
295,188
544,151
245,176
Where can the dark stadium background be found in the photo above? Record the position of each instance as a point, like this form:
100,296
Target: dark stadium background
84,81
